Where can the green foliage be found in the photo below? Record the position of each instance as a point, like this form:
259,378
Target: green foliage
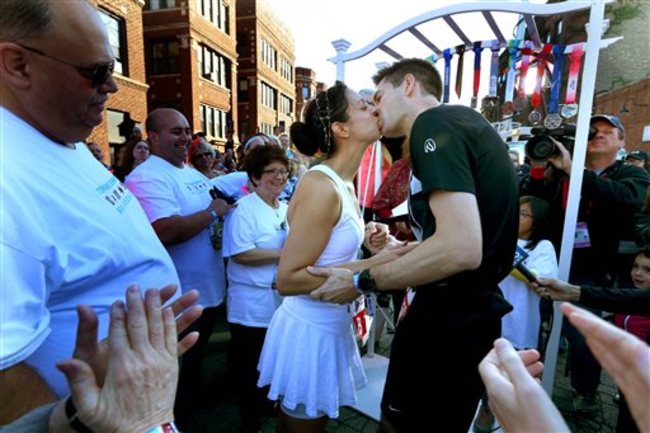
626,10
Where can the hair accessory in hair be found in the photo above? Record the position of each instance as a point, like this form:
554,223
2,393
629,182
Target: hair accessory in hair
325,116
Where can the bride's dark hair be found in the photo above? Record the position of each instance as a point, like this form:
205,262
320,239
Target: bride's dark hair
314,133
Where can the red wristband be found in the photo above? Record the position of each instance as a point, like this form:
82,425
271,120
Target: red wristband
537,173
165,428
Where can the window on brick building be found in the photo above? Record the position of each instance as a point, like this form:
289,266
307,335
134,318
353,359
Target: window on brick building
117,38
164,56
155,5
217,12
213,121
213,66
223,21
269,54
267,128
286,69
243,45
242,91
268,96
286,104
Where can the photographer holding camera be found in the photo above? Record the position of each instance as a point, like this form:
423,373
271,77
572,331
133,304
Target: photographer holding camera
612,193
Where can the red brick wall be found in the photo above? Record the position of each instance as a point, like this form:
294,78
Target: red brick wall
186,90
132,95
257,20
636,98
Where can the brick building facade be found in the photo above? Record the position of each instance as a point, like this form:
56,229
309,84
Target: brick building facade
306,88
123,19
190,51
184,54
265,80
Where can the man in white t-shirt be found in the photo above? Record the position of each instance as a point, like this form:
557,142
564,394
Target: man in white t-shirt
70,233
177,201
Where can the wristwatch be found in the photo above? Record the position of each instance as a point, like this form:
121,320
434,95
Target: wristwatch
73,419
366,283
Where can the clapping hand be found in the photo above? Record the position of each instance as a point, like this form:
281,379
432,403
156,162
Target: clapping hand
94,352
135,384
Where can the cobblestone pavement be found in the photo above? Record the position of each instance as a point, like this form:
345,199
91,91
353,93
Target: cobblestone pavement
219,414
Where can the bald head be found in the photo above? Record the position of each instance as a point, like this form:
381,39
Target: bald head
50,20
24,19
54,26
157,118
74,18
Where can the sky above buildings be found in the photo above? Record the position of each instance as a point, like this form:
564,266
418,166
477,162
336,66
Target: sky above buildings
316,23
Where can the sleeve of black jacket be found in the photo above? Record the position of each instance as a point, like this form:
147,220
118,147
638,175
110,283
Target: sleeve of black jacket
618,301
627,190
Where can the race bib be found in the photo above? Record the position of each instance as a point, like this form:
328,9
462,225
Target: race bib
361,318
406,304
581,239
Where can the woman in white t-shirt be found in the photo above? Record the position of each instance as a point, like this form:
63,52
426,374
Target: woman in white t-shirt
254,233
310,358
521,325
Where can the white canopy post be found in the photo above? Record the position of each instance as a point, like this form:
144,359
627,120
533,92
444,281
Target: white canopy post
341,46
592,50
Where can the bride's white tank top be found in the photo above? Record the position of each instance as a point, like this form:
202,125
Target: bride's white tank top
342,247
347,235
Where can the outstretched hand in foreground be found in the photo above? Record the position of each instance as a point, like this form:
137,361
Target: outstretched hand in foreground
516,398
623,356
128,382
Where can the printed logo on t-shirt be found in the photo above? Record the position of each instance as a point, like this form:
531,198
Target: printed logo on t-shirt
197,186
429,145
115,193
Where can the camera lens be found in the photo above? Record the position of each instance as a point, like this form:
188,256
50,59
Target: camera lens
540,147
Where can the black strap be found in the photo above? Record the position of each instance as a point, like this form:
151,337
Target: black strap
73,419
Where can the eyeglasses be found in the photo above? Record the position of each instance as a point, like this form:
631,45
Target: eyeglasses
523,214
97,74
275,172
206,155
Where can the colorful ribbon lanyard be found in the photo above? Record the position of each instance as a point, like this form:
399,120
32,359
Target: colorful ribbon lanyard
478,47
535,116
460,51
508,108
494,69
570,107
447,55
553,119
521,102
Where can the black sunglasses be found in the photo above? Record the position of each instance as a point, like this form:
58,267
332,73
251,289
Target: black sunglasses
98,74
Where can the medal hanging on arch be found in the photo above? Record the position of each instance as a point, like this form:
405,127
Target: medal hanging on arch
490,104
570,107
521,101
507,109
447,54
535,117
553,119
460,52
478,47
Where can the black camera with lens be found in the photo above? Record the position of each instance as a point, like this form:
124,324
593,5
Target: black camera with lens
541,146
